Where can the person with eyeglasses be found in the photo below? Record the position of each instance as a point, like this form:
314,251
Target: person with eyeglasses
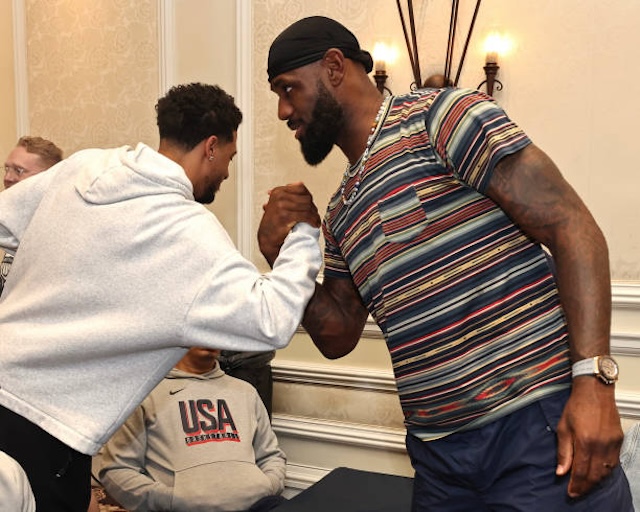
31,156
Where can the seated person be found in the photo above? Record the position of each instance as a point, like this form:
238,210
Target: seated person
15,491
200,441
31,156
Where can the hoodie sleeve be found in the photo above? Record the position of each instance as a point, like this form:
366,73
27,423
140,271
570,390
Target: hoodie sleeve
122,470
18,205
14,486
250,311
271,460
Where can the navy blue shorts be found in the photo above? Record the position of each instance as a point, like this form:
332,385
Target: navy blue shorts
507,465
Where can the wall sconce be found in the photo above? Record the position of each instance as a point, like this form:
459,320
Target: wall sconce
437,80
495,45
383,54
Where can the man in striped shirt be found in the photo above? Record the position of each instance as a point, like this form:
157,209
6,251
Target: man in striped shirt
437,230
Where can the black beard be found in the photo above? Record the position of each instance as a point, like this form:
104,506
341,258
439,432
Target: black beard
206,198
327,120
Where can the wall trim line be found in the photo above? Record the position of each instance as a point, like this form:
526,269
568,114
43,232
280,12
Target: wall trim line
327,375
300,477
20,69
625,295
166,45
337,432
628,405
296,372
299,372
245,158
625,344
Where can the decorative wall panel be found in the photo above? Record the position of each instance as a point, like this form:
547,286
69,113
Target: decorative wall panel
92,71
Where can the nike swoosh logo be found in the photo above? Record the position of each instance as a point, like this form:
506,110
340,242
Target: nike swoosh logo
173,392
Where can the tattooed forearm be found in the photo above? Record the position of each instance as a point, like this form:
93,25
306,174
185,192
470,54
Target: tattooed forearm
530,189
335,317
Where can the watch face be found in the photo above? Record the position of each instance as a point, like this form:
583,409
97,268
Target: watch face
608,368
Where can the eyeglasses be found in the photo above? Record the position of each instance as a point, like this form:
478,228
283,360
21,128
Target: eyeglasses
20,171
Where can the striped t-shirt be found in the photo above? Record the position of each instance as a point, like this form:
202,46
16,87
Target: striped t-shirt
466,301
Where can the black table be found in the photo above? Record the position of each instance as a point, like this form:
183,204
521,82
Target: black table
352,490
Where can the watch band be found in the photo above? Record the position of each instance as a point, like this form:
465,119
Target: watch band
585,367
603,367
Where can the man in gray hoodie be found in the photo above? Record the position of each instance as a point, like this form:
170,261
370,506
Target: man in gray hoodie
118,270
197,427
30,156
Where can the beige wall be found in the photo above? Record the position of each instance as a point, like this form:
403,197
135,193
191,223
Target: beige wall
569,81
8,131
92,72
205,51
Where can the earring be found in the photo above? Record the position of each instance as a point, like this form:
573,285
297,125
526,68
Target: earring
210,157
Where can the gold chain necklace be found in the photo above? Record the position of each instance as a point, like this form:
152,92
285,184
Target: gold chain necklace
358,167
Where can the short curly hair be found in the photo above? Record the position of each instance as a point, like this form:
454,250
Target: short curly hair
190,113
49,153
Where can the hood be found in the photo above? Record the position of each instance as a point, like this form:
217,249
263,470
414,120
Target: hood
127,173
215,373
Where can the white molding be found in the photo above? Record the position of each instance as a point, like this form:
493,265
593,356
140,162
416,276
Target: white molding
337,432
378,437
625,344
380,381
371,329
245,159
166,45
326,375
625,295
21,78
628,405
301,477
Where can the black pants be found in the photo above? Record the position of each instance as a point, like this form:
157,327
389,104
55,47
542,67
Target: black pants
267,503
260,377
60,477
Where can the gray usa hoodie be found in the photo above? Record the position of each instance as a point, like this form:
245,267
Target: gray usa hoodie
196,443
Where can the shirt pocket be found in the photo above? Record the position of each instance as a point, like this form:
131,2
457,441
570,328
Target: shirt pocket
402,216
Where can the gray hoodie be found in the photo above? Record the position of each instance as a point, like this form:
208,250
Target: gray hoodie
117,272
14,487
196,443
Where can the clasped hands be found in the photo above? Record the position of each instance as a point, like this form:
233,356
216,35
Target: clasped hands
287,205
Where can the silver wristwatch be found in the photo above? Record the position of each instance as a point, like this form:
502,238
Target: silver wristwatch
603,367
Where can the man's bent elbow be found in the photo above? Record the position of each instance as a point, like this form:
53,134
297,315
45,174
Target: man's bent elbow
335,349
